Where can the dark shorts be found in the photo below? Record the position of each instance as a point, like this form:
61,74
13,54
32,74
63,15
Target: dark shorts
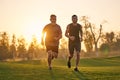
74,46
53,48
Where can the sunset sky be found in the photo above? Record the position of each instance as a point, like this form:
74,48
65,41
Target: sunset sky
28,17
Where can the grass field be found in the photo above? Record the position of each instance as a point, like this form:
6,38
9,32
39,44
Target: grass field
90,69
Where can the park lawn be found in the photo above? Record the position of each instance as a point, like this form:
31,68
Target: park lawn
90,69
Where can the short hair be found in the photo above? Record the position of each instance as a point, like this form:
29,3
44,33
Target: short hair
52,15
74,16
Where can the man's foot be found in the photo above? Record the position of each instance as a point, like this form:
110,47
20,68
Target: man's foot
76,69
69,64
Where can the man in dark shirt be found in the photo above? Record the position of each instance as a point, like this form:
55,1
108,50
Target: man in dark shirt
53,35
74,33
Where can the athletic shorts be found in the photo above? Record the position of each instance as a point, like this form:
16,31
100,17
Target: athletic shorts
74,46
53,48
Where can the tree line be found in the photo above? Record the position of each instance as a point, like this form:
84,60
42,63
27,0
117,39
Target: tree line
17,48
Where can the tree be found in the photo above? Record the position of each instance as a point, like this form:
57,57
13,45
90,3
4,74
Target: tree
110,36
13,51
88,39
115,41
94,34
33,50
21,49
4,46
112,40
96,39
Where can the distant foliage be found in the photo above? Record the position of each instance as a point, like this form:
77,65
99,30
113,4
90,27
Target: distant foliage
21,49
17,47
4,46
111,41
105,47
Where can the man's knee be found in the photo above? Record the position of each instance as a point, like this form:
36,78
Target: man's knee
55,54
49,53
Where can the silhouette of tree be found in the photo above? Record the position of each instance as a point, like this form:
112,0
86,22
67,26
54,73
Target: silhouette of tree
117,43
13,51
94,34
4,46
88,39
33,50
112,41
110,36
96,39
21,49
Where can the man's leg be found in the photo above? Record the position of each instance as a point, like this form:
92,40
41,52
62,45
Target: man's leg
49,59
54,51
71,51
69,59
55,54
77,59
78,49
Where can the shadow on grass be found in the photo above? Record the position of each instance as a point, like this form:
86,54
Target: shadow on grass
52,75
80,75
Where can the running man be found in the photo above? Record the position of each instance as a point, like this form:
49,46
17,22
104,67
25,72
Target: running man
74,33
53,35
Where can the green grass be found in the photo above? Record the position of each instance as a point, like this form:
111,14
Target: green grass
90,69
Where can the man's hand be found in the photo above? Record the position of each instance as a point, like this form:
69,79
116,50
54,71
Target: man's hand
72,38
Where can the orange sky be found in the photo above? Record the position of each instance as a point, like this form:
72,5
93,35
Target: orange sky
28,17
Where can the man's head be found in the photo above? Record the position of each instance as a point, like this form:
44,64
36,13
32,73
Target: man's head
74,18
53,18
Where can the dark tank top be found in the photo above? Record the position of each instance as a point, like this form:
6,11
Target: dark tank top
74,30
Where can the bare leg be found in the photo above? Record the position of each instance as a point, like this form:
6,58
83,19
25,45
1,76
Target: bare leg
77,59
49,58
55,54
70,57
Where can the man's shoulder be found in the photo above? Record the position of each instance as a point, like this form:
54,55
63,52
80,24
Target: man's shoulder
69,24
52,25
58,25
78,24
72,24
47,24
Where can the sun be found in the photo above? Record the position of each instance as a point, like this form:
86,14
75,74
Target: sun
33,30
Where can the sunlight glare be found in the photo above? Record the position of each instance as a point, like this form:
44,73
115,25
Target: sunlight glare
31,30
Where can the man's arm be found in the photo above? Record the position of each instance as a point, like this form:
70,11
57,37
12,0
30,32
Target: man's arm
67,32
81,33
